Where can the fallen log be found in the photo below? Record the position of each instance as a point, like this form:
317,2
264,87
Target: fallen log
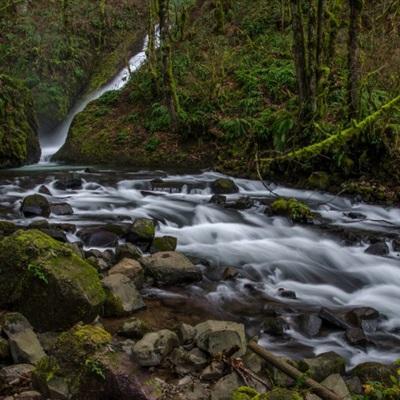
293,372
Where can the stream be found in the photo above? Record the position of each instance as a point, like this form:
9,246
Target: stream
323,263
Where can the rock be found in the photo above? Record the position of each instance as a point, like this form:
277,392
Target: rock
224,186
154,346
396,245
275,326
130,268
213,371
164,243
61,209
186,362
253,361
122,296
195,391
336,383
243,203
142,232
72,181
320,367
14,375
279,378
98,237
134,328
333,319
28,395
24,344
224,388
55,291
293,209
284,394
287,294
219,336
356,337
378,249
186,333
310,324
127,250
4,350
170,268
56,234
365,318
354,385
43,189
355,215
7,228
218,199
230,273
373,372
35,205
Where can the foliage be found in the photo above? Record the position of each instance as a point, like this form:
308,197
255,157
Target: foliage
38,272
296,210
95,368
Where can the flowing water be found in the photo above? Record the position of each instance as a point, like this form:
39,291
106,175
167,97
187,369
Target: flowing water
317,262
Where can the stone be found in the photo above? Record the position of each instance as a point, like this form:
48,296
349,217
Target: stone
373,372
224,186
98,237
220,336
333,319
57,290
24,344
122,296
213,371
35,205
378,249
287,294
186,333
69,182
230,273
356,337
28,395
275,326
4,350
325,364
164,243
127,250
61,209
310,324
134,328
43,189
243,203
187,361
336,383
396,245
224,388
7,228
218,199
13,375
154,347
130,268
142,232
355,215
56,234
170,268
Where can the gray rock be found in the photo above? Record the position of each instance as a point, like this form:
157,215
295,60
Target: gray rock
223,389
130,268
28,395
134,328
378,249
219,336
122,296
98,237
320,367
72,181
310,324
164,243
35,205
373,372
188,361
186,333
336,383
213,371
128,250
61,209
14,374
170,268
154,347
275,326
142,232
356,337
24,344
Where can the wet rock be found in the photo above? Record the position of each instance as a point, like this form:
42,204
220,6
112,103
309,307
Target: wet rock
4,350
56,234
55,291
16,375
69,182
7,228
224,388
170,268
64,227
336,383
130,268
134,328
354,385
333,319
127,250
320,367
243,203
230,273
220,336
35,205
310,324
355,215
186,333
61,209
142,232
356,337
98,237
293,209
122,296
288,294
275,326
253,361
378,249
218,199
43,189
396,245
373,372
187,361
24,344
154,347
365,318
279,378
120,230
214,371
224,186
164,243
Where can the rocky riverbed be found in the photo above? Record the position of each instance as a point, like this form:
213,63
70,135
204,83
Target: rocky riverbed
149,285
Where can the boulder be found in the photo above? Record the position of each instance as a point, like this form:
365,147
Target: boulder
287,294
325,364
220,336
336,383
224,388
72,181
61,209
134,328
24,344
374,372
275,326
230,273
7,228
43,189
164,243
170,268
356,337
378,249
122,296
130,268
127,250
154,347
142,232
186,333
56,234
310,324
48,281
224,186
35,205
186,362
218,199
98,237
14,375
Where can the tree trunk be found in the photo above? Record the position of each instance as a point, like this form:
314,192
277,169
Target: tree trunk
353,62
312,57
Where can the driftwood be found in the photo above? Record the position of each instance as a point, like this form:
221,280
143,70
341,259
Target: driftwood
293,372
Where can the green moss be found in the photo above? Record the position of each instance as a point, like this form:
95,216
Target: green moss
293,209
7,227
113,306
247,393
144,228
319,180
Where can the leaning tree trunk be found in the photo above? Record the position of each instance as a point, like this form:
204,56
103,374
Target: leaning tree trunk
353,62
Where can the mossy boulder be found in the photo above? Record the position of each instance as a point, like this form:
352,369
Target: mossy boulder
48,281
374,372
7,228
224,186
19,143
293,209
247,393
142,232
35,205
164,243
